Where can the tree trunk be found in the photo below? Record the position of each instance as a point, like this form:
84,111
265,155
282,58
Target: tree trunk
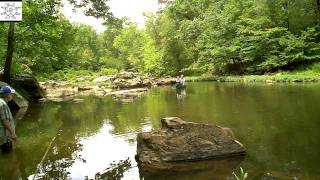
318,9
288,15
7,65
179,63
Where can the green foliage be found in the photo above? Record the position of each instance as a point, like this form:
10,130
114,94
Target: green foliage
242,176
151,57
64,75
46,42
221,37
279,78
305,70
130,44
108,71
196,69
97,9
235,36
316,68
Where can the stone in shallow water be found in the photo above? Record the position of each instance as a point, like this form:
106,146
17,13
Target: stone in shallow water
178,142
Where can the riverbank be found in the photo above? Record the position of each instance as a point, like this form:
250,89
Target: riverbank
122,86
68,89
258,78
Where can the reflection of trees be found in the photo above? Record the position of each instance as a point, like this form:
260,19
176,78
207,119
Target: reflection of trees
124,117
115,171
67,122
62,156
215,169
76,121
12,166
275,122
63,153
262,117
34,131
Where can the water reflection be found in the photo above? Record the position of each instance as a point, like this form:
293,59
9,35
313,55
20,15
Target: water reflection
181,93
278,124
115,171
100,151
205,170
64,151
83,140
12,166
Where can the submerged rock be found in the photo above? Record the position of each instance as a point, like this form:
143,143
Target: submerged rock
178,142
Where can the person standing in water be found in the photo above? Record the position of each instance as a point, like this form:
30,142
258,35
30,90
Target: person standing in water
182,80
7,126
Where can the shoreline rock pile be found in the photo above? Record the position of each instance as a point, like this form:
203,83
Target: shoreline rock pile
125,82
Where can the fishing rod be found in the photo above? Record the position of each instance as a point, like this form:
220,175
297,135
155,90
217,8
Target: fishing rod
43,158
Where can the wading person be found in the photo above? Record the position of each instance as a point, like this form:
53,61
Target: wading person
178,79
7,127
182,80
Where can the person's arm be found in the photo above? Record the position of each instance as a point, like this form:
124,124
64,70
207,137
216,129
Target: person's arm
6,124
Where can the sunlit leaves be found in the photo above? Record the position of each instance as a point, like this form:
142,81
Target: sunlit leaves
244,35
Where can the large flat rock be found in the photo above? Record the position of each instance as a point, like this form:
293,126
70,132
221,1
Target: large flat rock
178,142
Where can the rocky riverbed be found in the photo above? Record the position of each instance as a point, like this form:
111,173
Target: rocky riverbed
125,85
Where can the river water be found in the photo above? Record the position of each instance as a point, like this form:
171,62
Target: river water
96,137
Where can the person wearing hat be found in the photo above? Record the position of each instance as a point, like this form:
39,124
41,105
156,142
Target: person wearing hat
7,126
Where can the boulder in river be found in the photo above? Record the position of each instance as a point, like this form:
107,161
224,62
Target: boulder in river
179,142
28,86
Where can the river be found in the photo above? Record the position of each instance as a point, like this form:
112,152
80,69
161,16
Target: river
277,123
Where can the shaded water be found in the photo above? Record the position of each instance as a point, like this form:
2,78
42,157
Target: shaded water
278,124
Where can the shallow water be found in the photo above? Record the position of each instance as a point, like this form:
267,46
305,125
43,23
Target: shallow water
278,124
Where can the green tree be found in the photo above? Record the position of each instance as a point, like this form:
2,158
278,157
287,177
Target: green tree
236,36
130,43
